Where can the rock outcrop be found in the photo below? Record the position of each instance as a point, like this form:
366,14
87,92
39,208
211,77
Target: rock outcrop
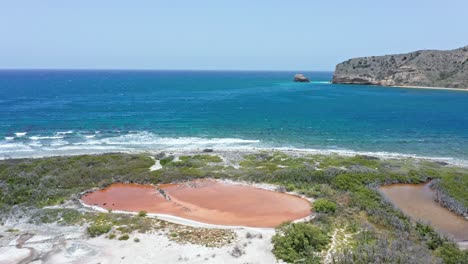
300,78
425,68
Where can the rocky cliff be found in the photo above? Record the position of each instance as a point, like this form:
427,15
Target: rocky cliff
425,68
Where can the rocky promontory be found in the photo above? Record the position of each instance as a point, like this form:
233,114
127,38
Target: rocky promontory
424,68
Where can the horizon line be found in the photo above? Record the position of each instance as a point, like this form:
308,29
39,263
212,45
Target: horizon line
136,69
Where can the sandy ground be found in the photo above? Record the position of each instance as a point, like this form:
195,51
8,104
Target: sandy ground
58,244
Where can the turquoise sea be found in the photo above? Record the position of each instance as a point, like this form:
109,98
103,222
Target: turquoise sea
47,112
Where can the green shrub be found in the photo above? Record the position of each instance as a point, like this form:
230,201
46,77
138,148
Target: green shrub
62,216
208,158
324,206
142,213
366,199
451,254
96,230
427,233
136,240
112,236
300,242
166,160
346,182
124,237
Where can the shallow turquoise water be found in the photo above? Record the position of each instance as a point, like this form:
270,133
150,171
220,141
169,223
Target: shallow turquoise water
67,112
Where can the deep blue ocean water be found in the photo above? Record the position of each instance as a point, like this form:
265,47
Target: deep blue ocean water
71,112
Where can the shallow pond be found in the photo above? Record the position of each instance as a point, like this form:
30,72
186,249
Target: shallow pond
206,201
417,201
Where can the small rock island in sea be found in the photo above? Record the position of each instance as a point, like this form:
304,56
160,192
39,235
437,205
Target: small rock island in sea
425,68
301,78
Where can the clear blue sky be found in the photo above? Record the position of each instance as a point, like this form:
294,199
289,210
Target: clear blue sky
240,34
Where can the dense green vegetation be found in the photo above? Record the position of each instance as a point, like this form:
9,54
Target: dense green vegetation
344,188
322,205
299,243
42,182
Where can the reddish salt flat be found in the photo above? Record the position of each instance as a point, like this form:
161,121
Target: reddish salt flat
206,201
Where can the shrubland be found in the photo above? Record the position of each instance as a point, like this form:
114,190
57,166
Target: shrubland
345,190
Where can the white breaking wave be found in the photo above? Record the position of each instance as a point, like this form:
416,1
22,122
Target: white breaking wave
146,138
64,132
41,146
150,140
20,134
59,143
9,138
44,137
147,141
9,149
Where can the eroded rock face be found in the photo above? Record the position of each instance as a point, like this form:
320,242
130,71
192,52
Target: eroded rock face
426,68
300,78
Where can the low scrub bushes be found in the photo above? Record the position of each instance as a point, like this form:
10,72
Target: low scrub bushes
384,249
124,237
50,181
96,230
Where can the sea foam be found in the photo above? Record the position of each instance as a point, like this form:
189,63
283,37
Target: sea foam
44,137
146,141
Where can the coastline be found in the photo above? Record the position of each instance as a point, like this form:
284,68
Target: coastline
404,86
239,150
429,88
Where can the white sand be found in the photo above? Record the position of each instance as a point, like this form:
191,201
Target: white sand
157,165
51,245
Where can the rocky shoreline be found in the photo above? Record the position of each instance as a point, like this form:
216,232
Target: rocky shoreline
424,68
